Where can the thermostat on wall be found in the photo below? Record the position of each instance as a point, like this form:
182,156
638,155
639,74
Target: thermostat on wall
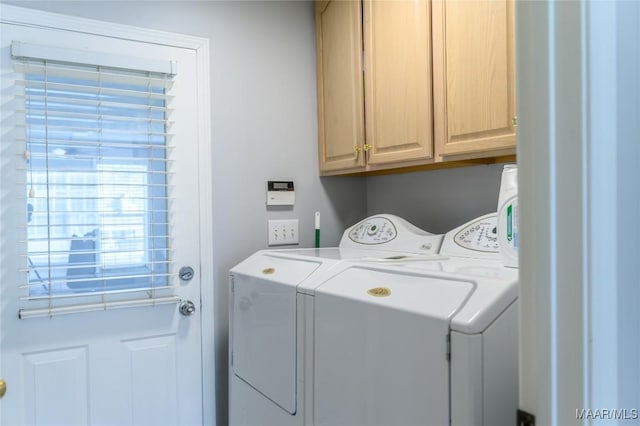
280,193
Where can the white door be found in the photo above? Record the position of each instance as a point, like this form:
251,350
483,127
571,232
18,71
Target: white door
139,365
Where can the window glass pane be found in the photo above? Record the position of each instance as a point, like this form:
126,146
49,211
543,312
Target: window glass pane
96,179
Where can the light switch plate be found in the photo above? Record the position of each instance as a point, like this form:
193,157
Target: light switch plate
283,232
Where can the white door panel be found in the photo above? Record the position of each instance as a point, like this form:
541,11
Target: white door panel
131,366
56,372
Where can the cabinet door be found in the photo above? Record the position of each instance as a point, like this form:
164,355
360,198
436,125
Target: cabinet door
474,76
397,45
340,90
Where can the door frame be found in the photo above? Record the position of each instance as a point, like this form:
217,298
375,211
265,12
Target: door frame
39,19
578,107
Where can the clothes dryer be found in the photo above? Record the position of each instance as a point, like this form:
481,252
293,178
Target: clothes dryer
398,341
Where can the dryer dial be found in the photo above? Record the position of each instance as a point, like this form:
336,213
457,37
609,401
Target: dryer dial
374,230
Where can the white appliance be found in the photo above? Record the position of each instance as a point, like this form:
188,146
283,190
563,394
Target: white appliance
268,319
381,330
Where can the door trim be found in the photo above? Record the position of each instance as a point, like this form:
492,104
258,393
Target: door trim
39,19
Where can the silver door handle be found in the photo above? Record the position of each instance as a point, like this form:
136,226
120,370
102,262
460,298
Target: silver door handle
187,308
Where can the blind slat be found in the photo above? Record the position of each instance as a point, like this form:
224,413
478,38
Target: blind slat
53,239
84,91
63,252
95,117
111,198
104,133
95,103
56,212
76,157
105,223
55,268
150,172
92,74
51,142
115,184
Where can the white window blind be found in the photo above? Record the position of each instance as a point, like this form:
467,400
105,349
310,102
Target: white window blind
97,185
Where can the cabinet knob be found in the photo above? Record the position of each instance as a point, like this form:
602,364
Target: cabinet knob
357,150
366,147
514,121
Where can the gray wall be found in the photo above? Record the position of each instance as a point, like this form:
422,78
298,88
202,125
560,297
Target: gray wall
264,127
439,200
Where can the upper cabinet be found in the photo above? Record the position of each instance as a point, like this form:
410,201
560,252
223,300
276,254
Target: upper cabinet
340,88
390,91
397,81
474,74
433,81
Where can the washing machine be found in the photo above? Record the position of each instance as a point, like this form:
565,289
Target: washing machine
403,342
396,326
271,322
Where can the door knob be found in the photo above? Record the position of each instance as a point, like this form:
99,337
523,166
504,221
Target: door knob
3,388
187,308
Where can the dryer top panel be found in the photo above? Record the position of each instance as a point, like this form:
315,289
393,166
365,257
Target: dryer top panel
477,239
391,233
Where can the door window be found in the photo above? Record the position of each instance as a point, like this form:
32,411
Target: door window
96,180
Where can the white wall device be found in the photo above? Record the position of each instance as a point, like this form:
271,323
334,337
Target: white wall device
280,193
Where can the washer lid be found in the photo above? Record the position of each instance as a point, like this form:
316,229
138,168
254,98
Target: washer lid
275,266
399,288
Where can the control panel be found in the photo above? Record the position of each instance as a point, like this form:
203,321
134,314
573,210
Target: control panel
477,238
375,230
481,235
391,233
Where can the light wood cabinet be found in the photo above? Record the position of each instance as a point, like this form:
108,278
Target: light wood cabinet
474,75
395,98
340,87
434,81
397,81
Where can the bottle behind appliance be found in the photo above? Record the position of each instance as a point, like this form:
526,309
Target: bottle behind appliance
508,233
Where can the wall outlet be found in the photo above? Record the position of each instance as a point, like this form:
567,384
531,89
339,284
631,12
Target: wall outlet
283,232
